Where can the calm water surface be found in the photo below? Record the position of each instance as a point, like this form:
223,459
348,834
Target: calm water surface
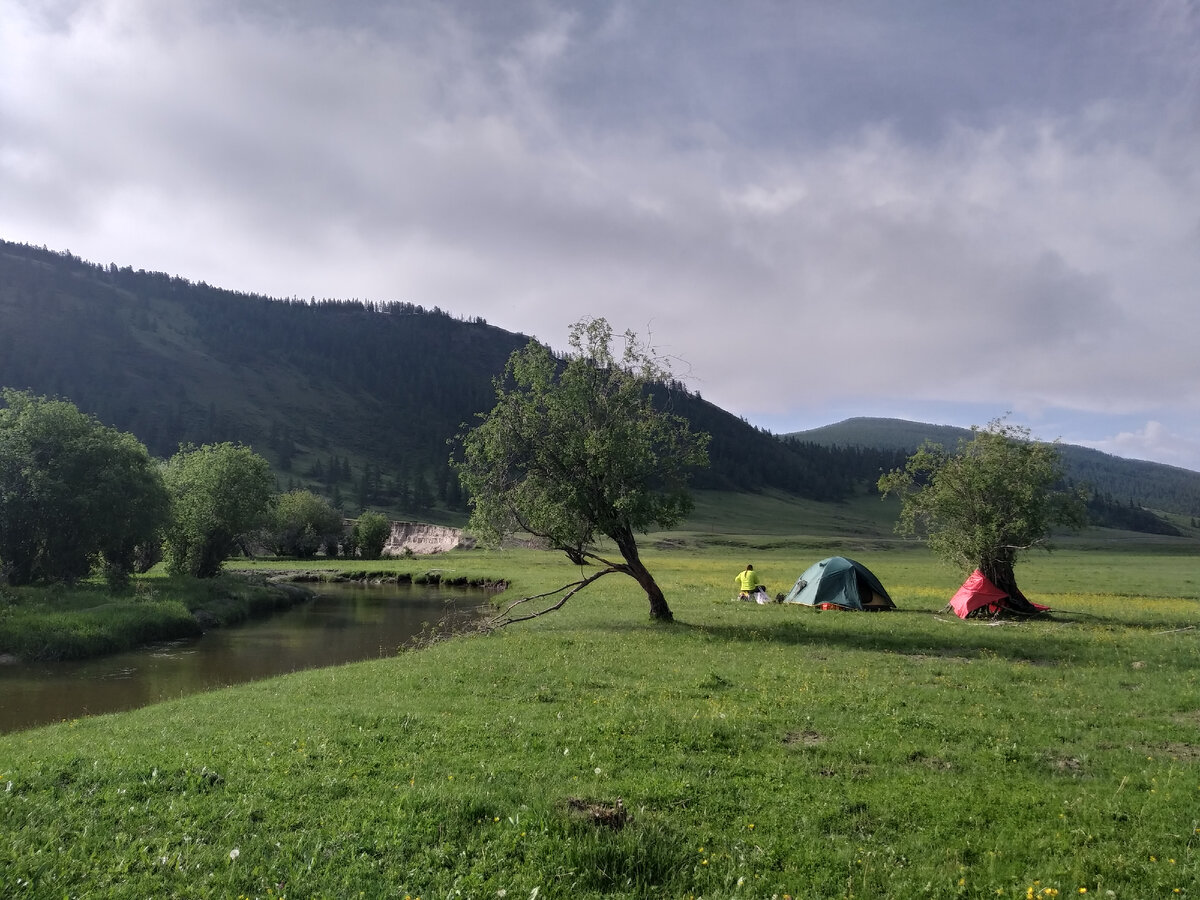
346,623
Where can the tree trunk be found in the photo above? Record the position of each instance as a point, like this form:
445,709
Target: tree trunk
1000,573
626,543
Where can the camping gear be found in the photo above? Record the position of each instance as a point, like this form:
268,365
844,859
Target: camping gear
842,583
759,595
979,597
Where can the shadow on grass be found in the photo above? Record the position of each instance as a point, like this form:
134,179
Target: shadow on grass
1042,641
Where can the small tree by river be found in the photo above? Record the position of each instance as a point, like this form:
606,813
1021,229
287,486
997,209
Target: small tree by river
220,493
370,534
301,523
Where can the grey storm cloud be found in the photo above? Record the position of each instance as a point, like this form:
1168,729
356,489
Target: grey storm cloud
922,209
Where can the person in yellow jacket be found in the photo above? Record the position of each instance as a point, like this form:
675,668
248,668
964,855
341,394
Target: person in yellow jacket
747,583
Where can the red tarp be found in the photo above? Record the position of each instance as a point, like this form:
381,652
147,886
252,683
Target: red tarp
977,591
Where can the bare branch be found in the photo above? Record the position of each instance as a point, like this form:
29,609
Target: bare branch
615,566
571,589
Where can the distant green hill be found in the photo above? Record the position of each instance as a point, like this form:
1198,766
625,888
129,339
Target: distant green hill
1119,482
890,434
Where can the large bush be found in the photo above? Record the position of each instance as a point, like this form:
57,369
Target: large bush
220,494
371,532
73,492
301,523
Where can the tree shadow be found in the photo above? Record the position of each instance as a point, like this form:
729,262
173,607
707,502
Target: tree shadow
948,637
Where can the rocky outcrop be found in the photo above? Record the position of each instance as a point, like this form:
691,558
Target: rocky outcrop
414,537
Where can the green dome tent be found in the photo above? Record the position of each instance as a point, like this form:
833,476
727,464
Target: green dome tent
841,582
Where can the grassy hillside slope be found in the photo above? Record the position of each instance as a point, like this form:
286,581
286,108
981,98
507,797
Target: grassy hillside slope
864,522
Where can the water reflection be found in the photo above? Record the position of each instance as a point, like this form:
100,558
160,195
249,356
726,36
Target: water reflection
345,623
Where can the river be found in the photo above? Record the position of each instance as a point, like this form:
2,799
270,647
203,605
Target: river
344,623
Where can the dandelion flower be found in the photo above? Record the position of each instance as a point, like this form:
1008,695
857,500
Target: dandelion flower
235,853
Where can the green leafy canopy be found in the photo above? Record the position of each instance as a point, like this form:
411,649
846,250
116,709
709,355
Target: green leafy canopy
983,505
371,533
72,492
219,493
566,455
301,523
571,451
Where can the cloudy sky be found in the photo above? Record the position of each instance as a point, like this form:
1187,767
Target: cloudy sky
939,211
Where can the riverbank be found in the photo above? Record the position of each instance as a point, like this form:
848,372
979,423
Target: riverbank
345,622
42,624
742,751
311,575
86,621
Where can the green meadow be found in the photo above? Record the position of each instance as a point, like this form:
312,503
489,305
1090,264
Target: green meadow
743,751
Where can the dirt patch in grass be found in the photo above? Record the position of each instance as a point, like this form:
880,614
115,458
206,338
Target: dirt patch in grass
936,763
1178,750
1066,765
937,657
601,813
803,738
1189,718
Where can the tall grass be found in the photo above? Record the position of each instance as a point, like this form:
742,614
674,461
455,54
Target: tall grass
744,751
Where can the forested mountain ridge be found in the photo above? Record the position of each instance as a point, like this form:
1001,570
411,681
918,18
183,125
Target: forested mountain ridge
310,385
358,401
1126,483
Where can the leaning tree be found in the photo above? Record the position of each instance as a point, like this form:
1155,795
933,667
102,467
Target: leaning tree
982,506
577,450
